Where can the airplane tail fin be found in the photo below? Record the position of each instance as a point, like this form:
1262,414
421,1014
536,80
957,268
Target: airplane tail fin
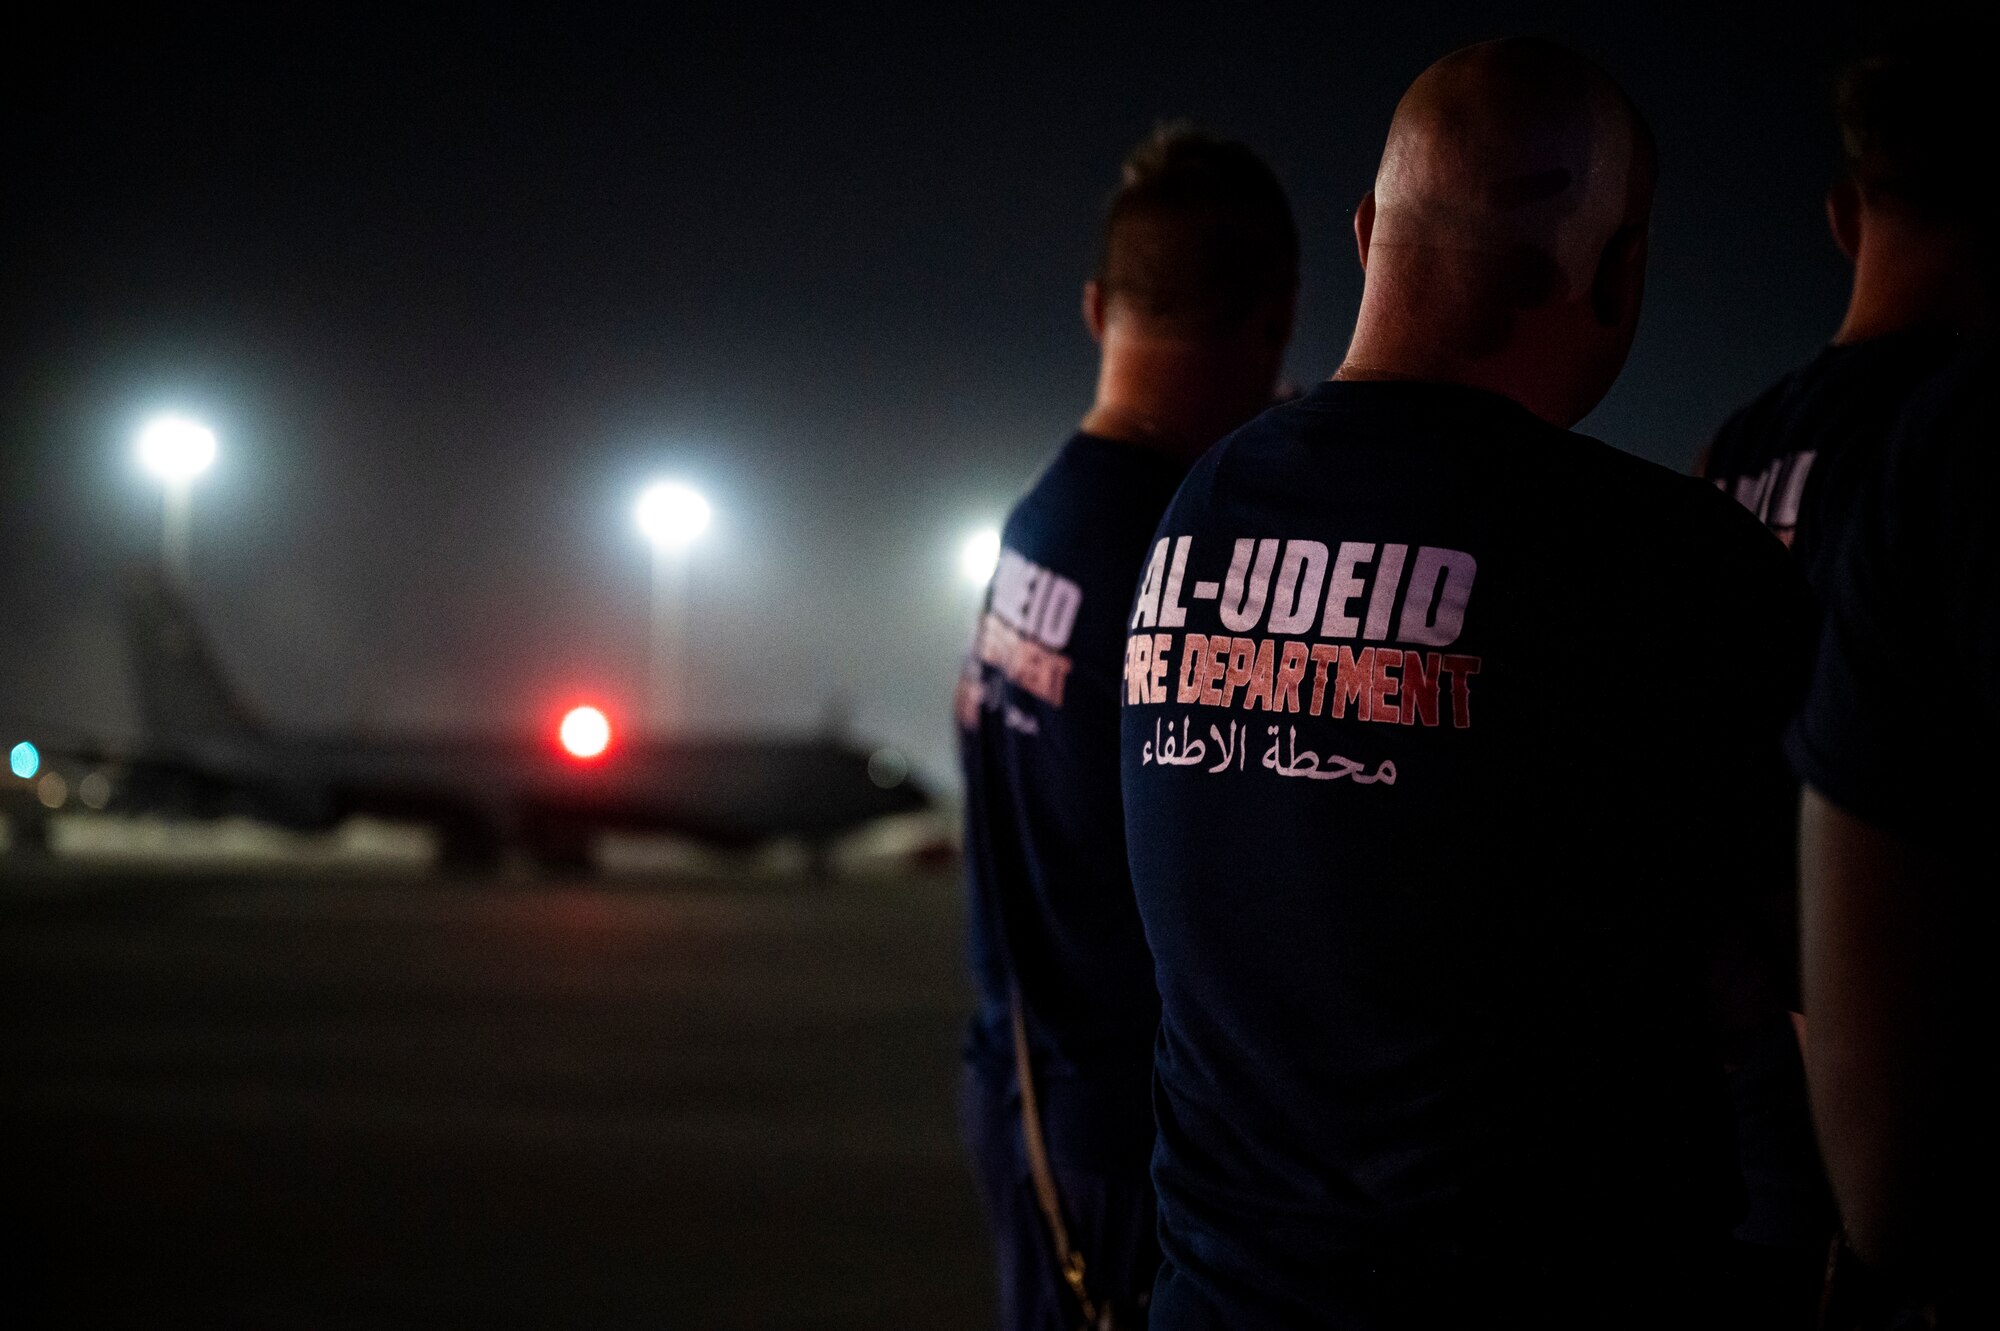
182,691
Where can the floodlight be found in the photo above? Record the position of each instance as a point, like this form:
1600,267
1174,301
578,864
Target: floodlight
176,449
672,515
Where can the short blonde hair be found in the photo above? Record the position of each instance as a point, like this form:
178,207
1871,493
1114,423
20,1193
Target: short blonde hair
1198,234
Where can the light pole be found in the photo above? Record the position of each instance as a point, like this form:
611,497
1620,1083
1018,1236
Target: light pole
176,450
671,515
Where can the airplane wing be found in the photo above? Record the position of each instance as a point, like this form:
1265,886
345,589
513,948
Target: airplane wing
208,753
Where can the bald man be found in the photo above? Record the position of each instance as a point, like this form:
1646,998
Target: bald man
1450,738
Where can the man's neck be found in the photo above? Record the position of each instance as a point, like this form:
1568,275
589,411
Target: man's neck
1422,320
1395,348
1175,397
1907,278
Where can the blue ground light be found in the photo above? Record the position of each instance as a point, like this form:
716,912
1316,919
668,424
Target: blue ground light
25,759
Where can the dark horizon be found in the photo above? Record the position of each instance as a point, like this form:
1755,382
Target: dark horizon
450,290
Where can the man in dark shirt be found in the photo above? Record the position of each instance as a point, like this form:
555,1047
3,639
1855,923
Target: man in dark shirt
1192,308
1897,862
1449,735
1908,218
1801,457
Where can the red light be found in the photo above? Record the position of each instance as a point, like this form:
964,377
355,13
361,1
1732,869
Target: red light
585,732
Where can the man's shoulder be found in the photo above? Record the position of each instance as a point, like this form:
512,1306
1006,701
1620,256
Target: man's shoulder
1955,410
1648,487
1845,387
1753,433
1643,496
1093,507
1565,477
1107,474
1942,468
1669,539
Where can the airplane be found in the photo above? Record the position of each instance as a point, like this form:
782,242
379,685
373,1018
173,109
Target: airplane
207,754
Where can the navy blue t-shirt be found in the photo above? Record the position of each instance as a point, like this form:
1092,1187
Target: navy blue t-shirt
1900,728
1051,898
1801,458
1915,594
1801,454
1448,737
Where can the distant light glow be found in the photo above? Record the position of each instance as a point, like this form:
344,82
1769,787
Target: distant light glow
94,790
585,732
24,760
672,515
52,790
979,556
175,448
888,768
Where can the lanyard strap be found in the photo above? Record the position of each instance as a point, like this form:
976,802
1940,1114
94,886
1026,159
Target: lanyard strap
1068,1260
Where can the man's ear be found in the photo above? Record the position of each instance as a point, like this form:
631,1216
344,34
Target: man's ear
1364,227
1843,217
1620,280
1093,310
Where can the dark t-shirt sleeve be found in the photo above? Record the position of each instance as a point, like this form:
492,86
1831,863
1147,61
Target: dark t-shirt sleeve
1801,455
1738,660
1903,694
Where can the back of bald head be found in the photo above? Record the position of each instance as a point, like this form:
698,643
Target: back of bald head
1521,155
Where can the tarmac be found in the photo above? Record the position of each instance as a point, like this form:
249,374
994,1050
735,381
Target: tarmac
326,1097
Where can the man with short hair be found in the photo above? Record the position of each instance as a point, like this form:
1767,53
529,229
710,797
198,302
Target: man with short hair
1908,216
1191,306
1450,737
1913,217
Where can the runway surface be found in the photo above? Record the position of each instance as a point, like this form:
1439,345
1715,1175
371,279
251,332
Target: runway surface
326,1100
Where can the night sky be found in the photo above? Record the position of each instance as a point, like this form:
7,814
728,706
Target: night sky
449,290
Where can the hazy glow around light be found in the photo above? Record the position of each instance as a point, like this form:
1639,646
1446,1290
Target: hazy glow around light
672,515
586,732
24,760
175,448
979,556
